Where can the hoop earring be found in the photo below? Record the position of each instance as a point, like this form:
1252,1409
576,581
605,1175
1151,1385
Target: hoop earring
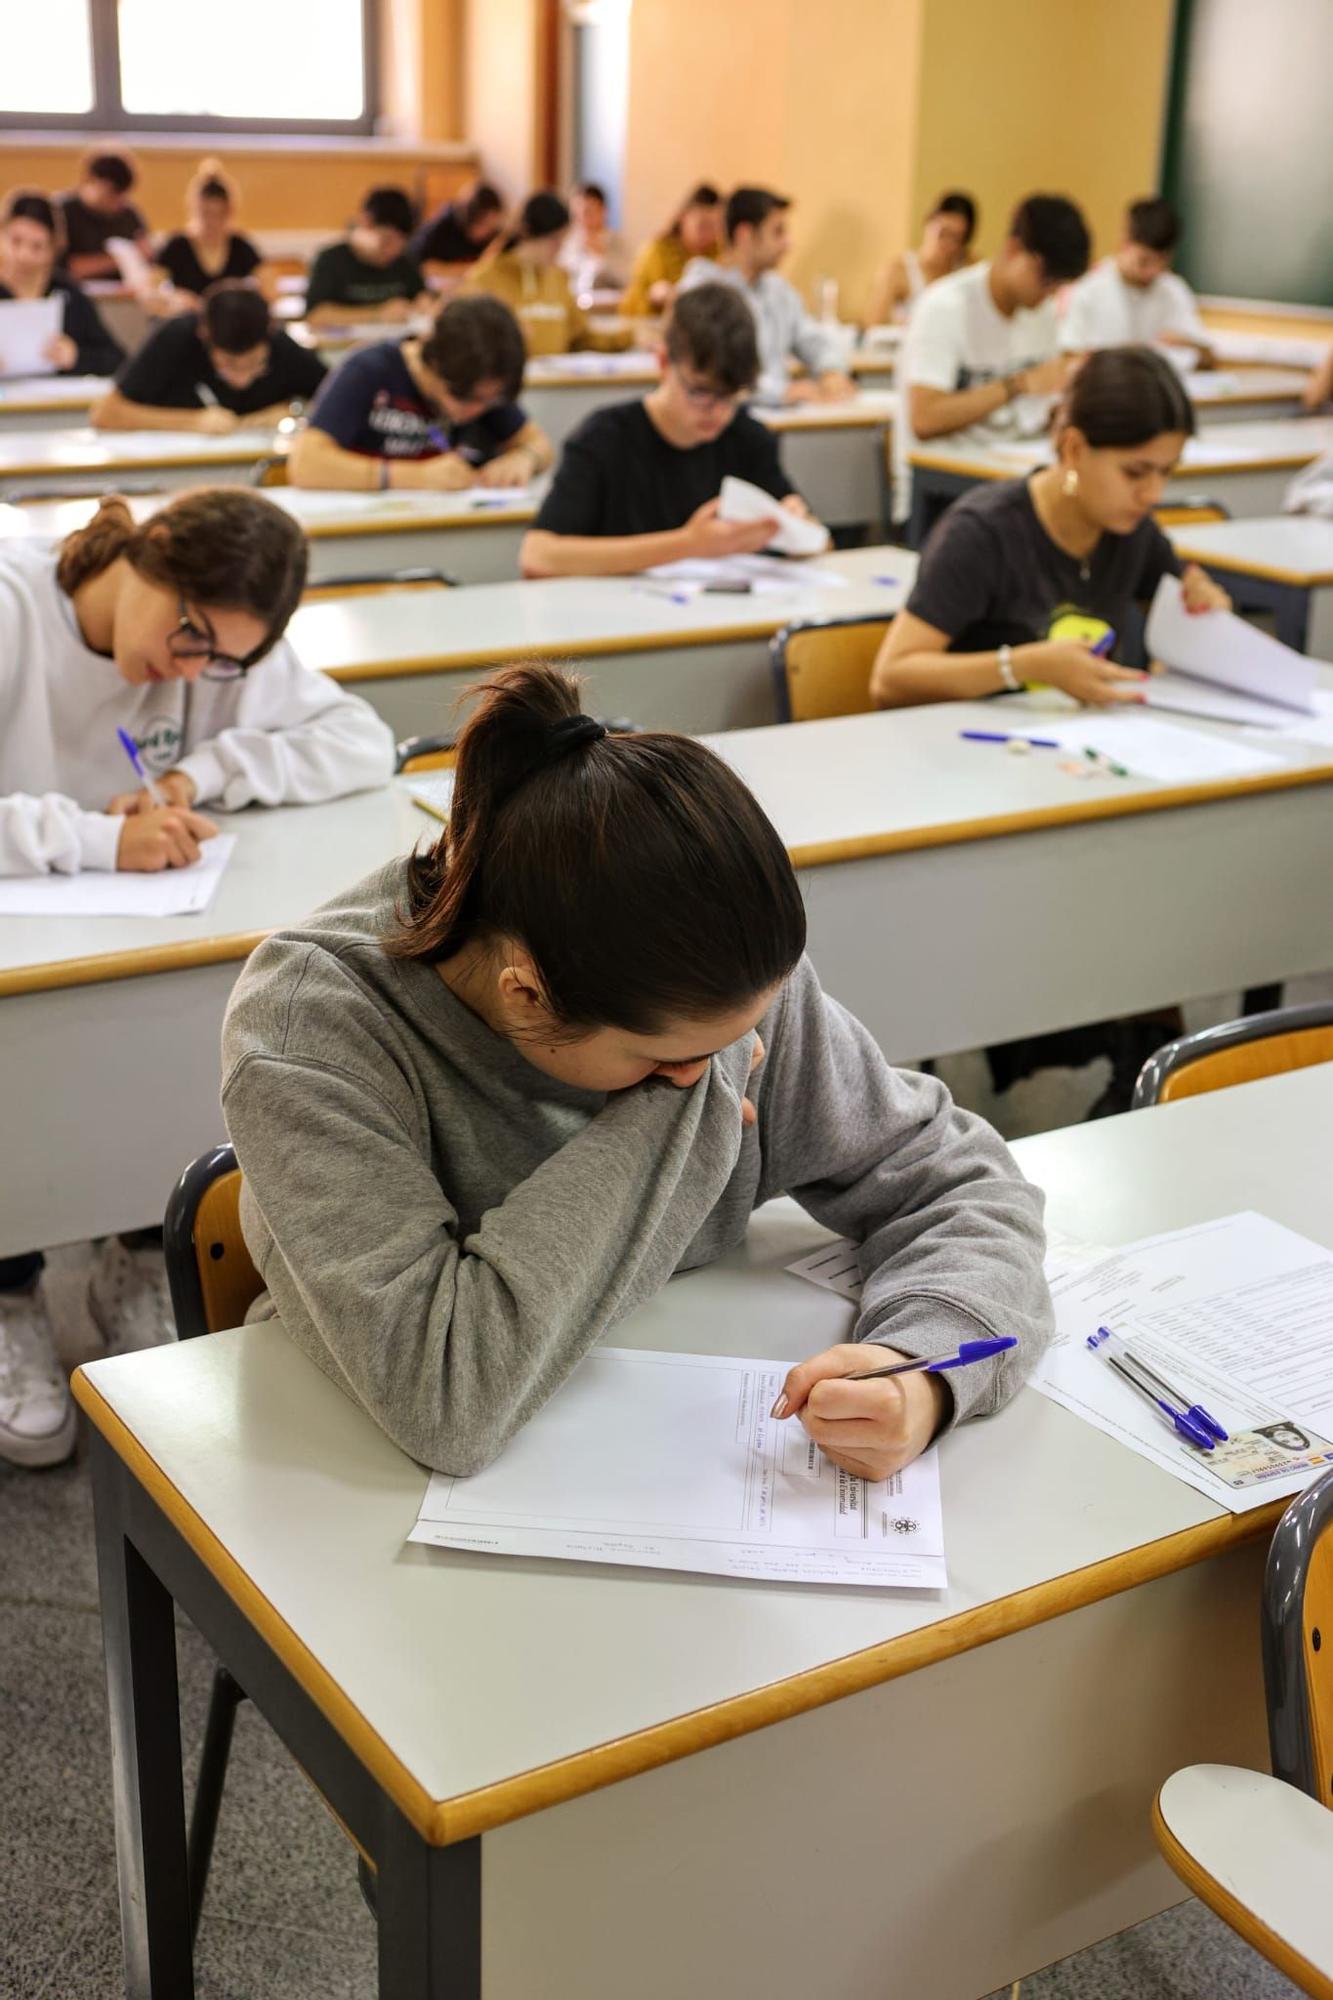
1069,486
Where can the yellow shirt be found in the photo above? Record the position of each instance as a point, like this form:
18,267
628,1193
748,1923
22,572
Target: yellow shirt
540,298
661,262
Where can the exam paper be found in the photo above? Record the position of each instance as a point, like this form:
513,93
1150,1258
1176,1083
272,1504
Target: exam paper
1239,1314
1158,749
433,791
174,892
741,500
27,328
1315,728
761,575
1226,651
671,1461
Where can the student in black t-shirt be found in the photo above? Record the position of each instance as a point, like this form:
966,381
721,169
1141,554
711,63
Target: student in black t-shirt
441,412
214,371
369,275
459,233
1023,580
95,211
29,238
638,483
208,251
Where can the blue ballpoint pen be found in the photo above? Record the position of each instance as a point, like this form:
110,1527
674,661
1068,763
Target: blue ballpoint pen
1008,736
131,749
1193,1424
1117,1345
968,1352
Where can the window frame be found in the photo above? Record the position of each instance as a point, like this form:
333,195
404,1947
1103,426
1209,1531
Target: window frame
108,114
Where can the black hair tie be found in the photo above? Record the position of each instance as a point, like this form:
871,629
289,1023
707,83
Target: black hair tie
571,733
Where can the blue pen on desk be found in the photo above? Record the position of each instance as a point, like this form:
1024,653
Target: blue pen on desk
1190,1419
1008,736
131,749
968,1352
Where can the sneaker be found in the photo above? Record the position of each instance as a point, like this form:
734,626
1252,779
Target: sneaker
37,1421
128,1297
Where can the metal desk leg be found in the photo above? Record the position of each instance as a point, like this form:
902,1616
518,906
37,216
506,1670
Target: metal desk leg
428,1901
1292,606
140,1640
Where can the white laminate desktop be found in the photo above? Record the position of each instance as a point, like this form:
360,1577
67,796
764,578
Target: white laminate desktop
1228,396
730,1750
49,402
50,459
698,665
473,536
836,455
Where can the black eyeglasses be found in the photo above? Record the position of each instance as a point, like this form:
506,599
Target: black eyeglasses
192,640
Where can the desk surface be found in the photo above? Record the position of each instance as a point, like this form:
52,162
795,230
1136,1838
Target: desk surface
1285,548
84,450
288,860
1250,447
324,516
859,785
51,392
407,631
868,409
1211,390
427,1660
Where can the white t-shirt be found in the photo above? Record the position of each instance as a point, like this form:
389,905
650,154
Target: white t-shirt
957,338
1103,311
283,735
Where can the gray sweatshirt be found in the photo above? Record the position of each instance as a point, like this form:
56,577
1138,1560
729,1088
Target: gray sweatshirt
446,1230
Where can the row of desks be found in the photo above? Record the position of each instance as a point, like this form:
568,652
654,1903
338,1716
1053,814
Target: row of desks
760,1779
957,896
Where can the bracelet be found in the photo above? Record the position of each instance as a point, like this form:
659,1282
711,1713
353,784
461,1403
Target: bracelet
1004,659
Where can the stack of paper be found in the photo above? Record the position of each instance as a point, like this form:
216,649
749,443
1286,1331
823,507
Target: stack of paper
1238,1315
672,1461
1221,667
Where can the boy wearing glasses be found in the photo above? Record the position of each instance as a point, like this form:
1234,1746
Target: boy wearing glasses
638,483
440,413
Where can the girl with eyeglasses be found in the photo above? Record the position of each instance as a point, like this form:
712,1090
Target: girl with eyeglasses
171,631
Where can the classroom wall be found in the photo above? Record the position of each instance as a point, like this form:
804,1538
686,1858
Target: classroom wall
501,89
1017,96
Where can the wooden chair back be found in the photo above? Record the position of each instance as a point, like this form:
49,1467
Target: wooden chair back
1258,1045
824,669
212,1277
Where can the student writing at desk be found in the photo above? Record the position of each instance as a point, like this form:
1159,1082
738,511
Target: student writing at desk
1135,296
757,241
694,231
566,1053
96,213
440,413
638,483
592,252
173,633
209,249
29,269
458,234
215,370
982,353
527,277
369,275
943,250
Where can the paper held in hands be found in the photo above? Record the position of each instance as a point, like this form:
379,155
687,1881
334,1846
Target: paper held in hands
27,329
672,1461
1219,666
739,500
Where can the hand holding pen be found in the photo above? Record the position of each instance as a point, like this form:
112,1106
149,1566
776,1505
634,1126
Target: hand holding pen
874,1421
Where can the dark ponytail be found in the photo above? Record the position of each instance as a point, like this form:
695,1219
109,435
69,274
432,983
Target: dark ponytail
638,871
222,548
1125,396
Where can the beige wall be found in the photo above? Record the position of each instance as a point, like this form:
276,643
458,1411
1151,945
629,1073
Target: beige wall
500,72
1061,96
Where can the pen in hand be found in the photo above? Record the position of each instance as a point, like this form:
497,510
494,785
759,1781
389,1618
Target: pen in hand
968,1352
131,749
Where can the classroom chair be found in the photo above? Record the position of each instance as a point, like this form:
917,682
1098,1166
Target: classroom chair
361,583
823,668
440,753
1258,1045
271,471
1190,512
1256,1849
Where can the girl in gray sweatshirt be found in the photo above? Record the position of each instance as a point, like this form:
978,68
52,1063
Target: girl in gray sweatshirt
489,1099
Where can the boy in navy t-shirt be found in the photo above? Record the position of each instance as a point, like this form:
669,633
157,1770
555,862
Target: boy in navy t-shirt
440,412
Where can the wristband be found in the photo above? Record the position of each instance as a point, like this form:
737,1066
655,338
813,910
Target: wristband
1004,659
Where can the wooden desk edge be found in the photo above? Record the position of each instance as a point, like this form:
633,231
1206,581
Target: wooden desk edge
1232,565
442,1822
410,524
217,950
478,657
150,462
971,468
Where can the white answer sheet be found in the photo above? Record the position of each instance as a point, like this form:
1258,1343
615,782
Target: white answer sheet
672,1461
742,500
27,328
1172,753
1237,1313
433,791
759,575
172,892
